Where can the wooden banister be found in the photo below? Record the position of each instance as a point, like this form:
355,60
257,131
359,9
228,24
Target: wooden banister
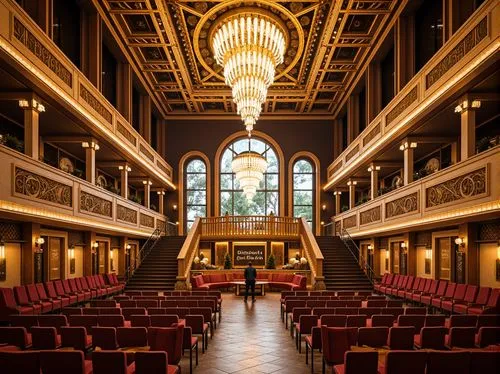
187,254
313,254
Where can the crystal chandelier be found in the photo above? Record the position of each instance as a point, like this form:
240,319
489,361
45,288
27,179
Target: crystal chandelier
249,168
249,45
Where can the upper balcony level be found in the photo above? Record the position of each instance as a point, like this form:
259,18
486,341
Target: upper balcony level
38,65
465,58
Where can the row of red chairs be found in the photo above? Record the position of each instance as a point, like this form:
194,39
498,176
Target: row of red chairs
416,362
172,293
440,294
103,362
52,296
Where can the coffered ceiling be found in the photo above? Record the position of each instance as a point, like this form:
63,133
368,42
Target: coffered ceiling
328,45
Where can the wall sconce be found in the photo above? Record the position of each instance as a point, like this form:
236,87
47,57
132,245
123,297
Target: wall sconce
71,255
3,261
93,247
322,223
127,247
177,223
323,207
370,249
174,207
428,254
111,260
428,259
460,242
404,247
38,245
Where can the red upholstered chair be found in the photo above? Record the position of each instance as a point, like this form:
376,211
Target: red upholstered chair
147,303
111,320
333,320
73,299
356,321
127,312
93,286
481,300
289,306
403,280
398,280
132,337
401,338
208,317
72,311
408,287
163,320
109,311
190,343
447,302
23,300
435,320
415,310
353,303
16,336
426,299
89,294
488,320
416,295
104,303
80,297
369,312
138,320
86,287
81,294
9,306
469,298
295,316
415,320
25,362
90,311
456,362
43,297
315,303
395,311
358,363
45,338
199,328
153,311
335,342
431,338
373,336
384,284
153,362
488,336
376,303
408,362
304,327
313,341
115,362
461,337
104,338
54,295
394,303
336,303
377,285
76,338
60,362
24,321
484,362
346,311
167,339
462,321
491,307
450,291
128,304
45,305
57,320
382,320
89,322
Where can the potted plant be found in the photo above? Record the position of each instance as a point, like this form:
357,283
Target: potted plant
271,262
228,264
12,142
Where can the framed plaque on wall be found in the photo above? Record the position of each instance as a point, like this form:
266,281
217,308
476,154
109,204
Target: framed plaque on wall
245,252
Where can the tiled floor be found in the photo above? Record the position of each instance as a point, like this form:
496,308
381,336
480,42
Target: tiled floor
252,339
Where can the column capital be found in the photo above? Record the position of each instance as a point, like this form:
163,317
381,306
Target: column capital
147,182
91,144
407,145
373,167
337,192
352,182
125,167
466,103
32,104
161,192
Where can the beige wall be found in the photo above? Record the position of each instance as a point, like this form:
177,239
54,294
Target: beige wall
13,256
78,263
421,263
116,261
383,253
487,264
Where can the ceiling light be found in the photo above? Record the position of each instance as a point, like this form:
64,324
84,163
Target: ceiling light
249,168
249,46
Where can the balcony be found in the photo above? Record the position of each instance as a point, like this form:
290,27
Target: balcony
475,43
36,56
40,192
465,190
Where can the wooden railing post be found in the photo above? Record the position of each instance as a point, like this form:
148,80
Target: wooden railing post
313,254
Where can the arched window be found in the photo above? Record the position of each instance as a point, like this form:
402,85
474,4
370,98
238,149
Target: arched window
196,191
303,190
232,200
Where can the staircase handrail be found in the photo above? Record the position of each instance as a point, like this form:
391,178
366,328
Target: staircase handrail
350,244
171,228
312,251
145,249
188,251
326,227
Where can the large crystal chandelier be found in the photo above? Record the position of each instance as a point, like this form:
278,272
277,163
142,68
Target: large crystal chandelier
249,168
249,45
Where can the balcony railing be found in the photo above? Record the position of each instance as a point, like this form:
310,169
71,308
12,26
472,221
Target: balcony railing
461,190
23,41
475,42
34,189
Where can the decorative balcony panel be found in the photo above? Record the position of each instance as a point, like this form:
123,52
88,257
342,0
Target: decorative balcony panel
466,189
371,134
35,190
95,104
402,105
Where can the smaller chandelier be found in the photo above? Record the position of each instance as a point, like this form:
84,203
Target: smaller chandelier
249,168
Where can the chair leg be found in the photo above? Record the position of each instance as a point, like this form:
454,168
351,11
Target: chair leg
196,353
300,342
323,371
312,360
191,361
202,343
307,354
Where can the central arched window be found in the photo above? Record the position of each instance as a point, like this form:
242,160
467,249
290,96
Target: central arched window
303,190
232,200
196,191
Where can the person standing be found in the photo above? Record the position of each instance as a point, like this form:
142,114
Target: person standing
250,277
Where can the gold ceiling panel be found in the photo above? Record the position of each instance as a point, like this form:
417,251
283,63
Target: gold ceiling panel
328,44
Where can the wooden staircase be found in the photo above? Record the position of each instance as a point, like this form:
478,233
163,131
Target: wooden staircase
340,269
158,271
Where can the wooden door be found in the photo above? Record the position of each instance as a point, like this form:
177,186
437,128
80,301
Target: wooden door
395,257
54,258
444,258
101,255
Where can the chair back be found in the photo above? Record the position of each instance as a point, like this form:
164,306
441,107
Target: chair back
333,320
373,336
167,339
106,362
415,320
464,320
360,362
401,338
138,320
456,362
151,362
435,320
488,336
408,362
336,341
307,322
164,320
44,338
382,320
462,337
17,336
484,362
25,362
56,320
110,320
433,337
74,337
57,362
104,338
132,336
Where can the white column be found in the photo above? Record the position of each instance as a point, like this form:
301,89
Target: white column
467,110
337,195
407,147
161,197
91,147
124,170
352,193
147,192
373,169
32,109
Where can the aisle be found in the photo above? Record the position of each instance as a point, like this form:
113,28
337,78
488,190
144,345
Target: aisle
252,339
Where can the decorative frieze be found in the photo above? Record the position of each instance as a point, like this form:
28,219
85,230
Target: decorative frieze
35,186
352,153
146,153
126,134
95,104
163,168
336,168
459,188
349,222
95,204
403,205
147,221
372,134
160,224
126,214
400,107
459,52
370,215
11,231
29,40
